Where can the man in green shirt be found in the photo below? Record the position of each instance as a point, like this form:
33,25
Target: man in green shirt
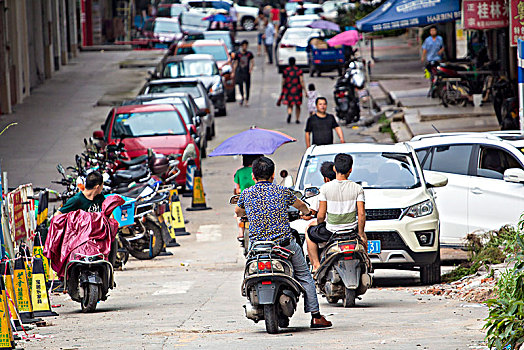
90,199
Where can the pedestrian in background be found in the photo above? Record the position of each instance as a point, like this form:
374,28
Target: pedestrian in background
261,27
292,86
269,39
243,65
234,20
275,15
312,95
433,47
320,125
283,17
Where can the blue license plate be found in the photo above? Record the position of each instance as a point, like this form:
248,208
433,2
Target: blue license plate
301,48
374,247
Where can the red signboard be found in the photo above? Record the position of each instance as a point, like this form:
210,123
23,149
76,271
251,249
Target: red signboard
19,220
485,14
516,16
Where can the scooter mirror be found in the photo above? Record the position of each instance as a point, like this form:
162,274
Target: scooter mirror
60,169
85,141
311,192
234,199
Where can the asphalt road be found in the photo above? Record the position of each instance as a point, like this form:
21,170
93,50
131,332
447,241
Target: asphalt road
192,299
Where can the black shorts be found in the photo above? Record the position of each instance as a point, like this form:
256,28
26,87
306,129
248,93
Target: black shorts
319,233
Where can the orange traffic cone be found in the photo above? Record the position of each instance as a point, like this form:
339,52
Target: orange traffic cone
6,333
7,274
199,198
39,296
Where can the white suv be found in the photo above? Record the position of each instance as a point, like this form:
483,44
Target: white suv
246,14
486,180
402,222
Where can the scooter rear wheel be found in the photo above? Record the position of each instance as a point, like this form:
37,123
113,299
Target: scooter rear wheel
271,318
349,298
90,298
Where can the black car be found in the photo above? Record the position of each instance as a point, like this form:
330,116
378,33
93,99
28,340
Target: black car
193,86
200,66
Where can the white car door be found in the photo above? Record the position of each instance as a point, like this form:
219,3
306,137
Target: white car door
452,199
492,201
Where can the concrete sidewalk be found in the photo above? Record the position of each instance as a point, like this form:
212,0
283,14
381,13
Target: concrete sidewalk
400,86
53,121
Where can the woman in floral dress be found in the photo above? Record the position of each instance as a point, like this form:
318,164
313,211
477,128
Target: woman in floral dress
292,86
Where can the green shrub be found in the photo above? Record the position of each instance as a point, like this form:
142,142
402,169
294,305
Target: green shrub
505,323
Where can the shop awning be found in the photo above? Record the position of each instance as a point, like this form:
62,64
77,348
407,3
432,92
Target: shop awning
396,14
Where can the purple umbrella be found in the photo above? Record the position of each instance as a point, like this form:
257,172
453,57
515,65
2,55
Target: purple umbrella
322,24
252,141
349,37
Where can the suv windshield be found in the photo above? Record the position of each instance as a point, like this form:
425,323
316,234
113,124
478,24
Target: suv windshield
217,51
371,170
167,27
190,88
147,124
190,68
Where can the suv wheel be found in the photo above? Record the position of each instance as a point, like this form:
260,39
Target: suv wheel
430,274
248,23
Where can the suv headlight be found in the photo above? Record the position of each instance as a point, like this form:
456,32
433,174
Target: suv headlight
421,209
216,88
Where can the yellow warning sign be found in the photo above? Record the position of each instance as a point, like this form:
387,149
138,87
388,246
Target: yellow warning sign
198,191
168,220
8,280
22,291
38,252
39,297
29,274
176,214
6,334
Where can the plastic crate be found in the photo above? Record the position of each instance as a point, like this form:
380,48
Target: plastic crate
125,214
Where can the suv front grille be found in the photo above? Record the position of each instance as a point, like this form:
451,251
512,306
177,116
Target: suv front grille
383,214
388,240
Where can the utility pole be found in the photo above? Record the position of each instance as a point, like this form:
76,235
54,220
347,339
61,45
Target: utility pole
5,81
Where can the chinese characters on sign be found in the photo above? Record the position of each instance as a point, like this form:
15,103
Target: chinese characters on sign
516,15
485,14
20,231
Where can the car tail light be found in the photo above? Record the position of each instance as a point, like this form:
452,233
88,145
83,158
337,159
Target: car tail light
341,60
347,247
316,61
284,46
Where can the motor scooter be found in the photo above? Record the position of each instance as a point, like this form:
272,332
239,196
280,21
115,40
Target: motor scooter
344,269
88,275
345,92
269,285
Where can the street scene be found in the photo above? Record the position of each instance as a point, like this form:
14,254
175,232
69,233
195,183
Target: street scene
249,174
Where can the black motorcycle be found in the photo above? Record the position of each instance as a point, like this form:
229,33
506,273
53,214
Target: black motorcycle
345,92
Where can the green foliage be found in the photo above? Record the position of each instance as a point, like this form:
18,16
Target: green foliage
348,18
385,127
505,323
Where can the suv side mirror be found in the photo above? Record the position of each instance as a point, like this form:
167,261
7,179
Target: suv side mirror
435,180
98,135
514,175
234,199
201,112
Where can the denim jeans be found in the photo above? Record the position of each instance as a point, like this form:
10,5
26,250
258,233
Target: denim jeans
303,276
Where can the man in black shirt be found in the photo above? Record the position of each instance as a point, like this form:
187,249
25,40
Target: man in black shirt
321,125
90,199
243,67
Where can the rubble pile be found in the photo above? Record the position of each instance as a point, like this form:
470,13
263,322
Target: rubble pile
475,288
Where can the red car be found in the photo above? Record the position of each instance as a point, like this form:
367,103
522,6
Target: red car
160,127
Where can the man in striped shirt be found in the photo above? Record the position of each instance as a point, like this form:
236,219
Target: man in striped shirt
341,207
